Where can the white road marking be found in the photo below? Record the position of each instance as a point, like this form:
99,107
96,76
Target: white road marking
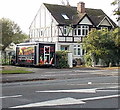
10,96
64,101
106,90
101,97
74,90
111,87
94,90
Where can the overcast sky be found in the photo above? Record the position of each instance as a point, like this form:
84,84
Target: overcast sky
23,11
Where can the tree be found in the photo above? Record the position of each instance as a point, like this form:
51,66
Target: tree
116,38
117,10
100,44
11,32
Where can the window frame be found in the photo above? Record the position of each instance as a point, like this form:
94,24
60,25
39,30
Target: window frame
81,30
102,28
77,50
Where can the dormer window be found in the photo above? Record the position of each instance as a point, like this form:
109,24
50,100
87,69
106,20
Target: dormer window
65,16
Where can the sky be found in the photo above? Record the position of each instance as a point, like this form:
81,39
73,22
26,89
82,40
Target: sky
23,12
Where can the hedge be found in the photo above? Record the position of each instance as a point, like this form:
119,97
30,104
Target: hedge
62,59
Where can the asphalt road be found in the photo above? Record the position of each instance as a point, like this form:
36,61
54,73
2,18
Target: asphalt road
52,74
70,89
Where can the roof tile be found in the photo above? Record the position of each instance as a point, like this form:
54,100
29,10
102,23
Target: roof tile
96,15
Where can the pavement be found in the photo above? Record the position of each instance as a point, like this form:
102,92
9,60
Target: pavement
42,74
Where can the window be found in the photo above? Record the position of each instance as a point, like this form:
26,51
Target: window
64,47
65,16
104,28
77,50
65,30
83,51
75,31
41,32
81,30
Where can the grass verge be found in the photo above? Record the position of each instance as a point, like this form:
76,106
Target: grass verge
15,71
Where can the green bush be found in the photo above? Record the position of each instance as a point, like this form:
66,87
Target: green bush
62,59
88,60
4,61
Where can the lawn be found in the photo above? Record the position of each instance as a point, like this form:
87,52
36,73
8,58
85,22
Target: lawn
15,70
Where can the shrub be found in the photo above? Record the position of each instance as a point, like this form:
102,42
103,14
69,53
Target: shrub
62,59
88,60
5,61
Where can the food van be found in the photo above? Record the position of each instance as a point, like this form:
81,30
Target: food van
35,53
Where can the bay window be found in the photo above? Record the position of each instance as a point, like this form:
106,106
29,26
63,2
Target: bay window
81,30
78,50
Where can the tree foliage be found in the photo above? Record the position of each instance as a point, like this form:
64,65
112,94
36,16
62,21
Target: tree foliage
117,9
11,32
116,38
102,44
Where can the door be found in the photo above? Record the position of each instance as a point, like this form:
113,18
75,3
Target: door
46,54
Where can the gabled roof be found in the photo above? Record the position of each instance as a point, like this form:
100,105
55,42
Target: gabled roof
57,11
95,15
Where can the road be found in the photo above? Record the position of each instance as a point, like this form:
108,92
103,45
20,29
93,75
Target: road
76,89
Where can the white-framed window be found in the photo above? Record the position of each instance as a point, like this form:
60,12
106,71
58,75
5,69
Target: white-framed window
77,50
104,28
81,30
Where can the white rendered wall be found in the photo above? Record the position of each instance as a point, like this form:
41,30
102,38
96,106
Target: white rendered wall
43,27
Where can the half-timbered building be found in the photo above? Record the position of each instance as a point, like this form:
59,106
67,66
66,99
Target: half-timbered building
67,25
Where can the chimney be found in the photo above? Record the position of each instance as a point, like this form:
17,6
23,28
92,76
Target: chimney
81,7
68,4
